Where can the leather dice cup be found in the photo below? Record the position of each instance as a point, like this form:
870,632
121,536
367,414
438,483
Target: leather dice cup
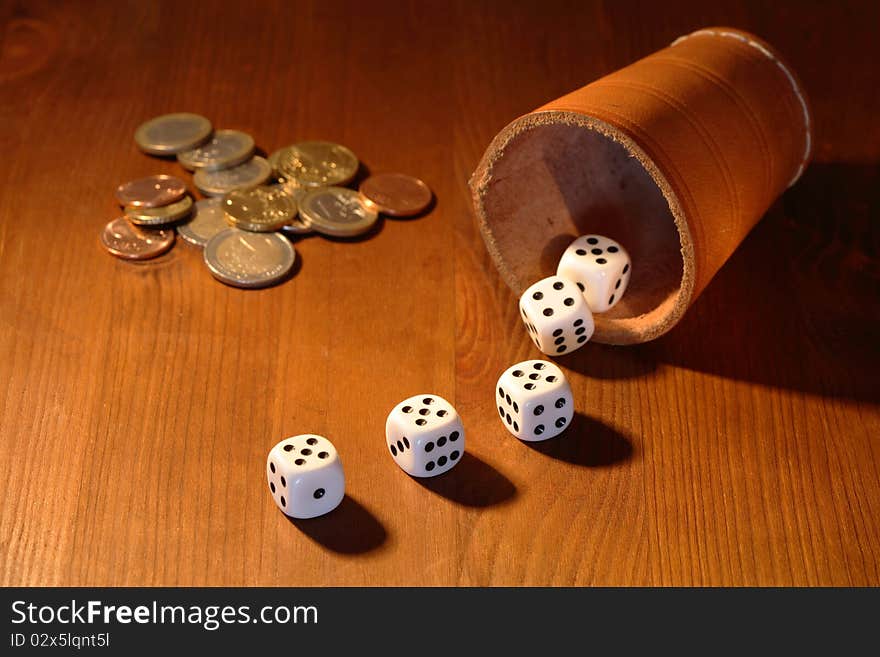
677,156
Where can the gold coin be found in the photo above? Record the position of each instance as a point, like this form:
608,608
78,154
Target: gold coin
317,164
291,190
224,150
337,211
274,159
259,209
298,225
171,133
158,216
254,172
245,259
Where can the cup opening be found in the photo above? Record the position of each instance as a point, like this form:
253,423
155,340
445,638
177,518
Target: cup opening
553,176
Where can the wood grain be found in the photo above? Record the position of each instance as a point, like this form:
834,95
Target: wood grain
138,401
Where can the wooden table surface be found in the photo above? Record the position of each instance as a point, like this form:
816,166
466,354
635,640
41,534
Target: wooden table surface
138,401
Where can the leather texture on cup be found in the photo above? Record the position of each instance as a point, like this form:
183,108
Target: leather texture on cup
676,156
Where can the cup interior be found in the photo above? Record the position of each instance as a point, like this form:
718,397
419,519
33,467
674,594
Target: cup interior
554,181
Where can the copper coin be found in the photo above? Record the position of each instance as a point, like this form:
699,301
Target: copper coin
151,192
123,240
396,194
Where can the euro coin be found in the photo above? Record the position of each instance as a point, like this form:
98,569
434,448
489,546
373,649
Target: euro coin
245,259
317,164
254,172
274,159
396,194
337,211
298,225
223,151
172,133
123,240
165,214
259,209
207,220
291,190
151,192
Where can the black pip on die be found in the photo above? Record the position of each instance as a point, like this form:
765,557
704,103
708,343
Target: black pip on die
600,267
305,476
534,400
424,435
556,315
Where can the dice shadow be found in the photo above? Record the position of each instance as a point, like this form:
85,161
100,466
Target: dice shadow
587,442
349,529
472,482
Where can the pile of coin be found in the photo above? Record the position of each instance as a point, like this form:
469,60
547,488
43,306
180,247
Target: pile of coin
246,222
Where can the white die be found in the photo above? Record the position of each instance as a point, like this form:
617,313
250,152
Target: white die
556,315
305,476
534,400
600,267
424,435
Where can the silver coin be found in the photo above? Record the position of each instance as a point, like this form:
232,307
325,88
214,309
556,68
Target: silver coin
254,172
337,211
299,225
208,219
172,133
245,259
224,150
